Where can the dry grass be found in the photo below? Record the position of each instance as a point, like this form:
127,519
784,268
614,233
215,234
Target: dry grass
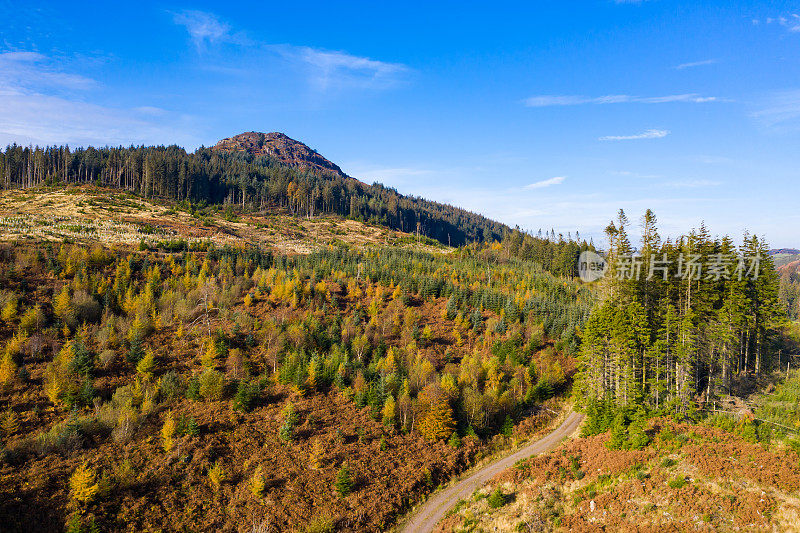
90,214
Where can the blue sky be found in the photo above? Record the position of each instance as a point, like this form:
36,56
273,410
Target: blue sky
541,114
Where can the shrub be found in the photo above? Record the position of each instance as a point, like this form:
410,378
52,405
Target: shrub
169,385
496,499
677,482
454,441
107,357
86,307
211,385
63,437
32,320
320,524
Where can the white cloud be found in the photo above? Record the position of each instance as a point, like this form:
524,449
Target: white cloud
649,134
790,22
336,68
42,119
569,100
31,69
38,105
693,64
325,69
204,28
546,183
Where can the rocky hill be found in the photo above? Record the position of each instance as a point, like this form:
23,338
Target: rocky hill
281,148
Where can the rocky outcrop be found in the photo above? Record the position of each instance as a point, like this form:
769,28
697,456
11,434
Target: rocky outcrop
281,148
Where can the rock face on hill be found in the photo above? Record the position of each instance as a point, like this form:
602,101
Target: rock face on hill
280,147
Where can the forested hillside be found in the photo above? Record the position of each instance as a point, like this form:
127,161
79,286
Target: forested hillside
326,390
679,320
252,181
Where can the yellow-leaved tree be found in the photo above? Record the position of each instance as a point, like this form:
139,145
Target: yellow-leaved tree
8,370
257,482
168,432
82,485
437,424
147,365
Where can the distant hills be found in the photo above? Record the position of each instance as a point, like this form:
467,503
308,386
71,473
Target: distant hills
781,251
787,260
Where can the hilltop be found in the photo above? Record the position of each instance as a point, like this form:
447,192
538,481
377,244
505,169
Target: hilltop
280,148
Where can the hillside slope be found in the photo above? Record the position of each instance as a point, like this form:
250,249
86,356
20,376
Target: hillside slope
689,478
258,172
90,214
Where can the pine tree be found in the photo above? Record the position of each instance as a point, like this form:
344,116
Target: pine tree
286,432
344,483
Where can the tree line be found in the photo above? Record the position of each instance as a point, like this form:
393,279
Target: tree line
678,320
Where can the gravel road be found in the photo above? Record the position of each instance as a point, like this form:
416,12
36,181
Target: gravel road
425,518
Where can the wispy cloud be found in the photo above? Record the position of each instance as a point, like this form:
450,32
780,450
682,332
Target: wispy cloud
779,109
325,69
649,134
206,28
546,183
34,70
692,184
630,174
570,100
693,64
330,69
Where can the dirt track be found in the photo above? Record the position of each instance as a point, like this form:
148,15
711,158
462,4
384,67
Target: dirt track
426,517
